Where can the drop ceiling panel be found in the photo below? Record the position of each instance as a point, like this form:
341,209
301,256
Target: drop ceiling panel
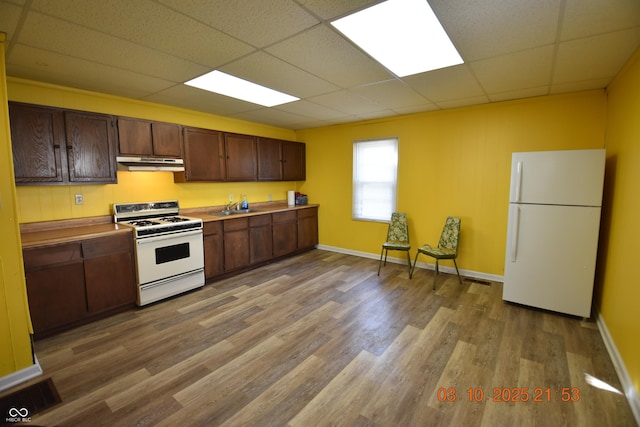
276,117
190,97
245,20
31,63
347,102
593,58
483,29
525,69
311,110
149,24
9,17
446,84
274,73
331,9
588,17
392,94
44,32
322,52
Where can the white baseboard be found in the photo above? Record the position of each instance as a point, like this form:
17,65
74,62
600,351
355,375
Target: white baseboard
623,375
419,264
18,377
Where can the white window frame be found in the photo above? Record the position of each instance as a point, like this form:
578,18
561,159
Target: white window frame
375,179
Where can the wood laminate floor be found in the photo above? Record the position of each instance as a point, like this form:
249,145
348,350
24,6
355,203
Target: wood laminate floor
320,339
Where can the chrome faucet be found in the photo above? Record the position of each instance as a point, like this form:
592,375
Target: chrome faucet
231,205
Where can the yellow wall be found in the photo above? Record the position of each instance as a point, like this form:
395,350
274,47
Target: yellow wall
45,203
454,162
15,325
618,293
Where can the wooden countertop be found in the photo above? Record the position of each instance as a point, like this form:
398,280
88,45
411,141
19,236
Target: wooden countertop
72,230
208,214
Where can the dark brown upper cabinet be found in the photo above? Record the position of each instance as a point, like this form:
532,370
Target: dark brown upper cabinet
56,146
281,160
149,139
204,156
240,157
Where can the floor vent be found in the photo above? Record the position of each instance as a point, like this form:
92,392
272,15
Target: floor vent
28,401
478,281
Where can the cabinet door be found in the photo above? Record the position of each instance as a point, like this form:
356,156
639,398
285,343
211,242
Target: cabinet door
307,228
55,286
236,243
203,156
109,272
134,137
37,137
90,147
294,161
285,233
213,249
269,159
167,139
260,239
241,157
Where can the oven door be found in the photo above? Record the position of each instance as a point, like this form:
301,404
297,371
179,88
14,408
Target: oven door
161,257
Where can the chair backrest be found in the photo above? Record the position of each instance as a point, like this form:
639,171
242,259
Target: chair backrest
398,228
450,234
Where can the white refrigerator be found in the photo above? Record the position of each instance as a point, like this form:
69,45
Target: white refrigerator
552,237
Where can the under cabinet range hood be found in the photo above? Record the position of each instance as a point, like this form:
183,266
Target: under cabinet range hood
149,164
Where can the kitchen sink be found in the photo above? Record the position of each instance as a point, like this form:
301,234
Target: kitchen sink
234,212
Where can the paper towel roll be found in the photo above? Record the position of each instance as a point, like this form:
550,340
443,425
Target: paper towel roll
291,198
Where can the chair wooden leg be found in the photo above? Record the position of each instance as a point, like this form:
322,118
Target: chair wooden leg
459,278
435,276
414,265
409,262
380,263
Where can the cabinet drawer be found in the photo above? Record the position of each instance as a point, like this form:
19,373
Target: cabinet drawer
236,224
212,228
307,213
106,246
51,255
284,216
257,221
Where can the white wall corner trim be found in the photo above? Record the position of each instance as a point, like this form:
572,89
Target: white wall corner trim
623,375
18,377
470,274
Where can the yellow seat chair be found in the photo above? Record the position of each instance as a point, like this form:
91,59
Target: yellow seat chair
447,247
397,238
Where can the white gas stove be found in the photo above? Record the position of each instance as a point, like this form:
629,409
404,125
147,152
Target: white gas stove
168,246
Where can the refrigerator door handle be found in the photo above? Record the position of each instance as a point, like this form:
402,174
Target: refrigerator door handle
515,226
518,180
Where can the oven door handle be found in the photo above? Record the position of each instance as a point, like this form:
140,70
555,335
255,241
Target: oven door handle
152,239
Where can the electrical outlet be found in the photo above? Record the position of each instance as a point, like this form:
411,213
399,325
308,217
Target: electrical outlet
231,197
270,197
79,199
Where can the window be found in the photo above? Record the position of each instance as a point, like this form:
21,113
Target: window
375,172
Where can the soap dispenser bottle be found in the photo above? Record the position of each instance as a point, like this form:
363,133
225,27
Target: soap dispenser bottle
244,204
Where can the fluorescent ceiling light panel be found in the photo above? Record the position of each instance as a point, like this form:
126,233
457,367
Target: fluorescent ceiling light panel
403,35
228,85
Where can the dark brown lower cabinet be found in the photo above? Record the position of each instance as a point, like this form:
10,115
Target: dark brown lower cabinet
285,233
55,286
236,243
307,228
68,284
213,249
260,240
109,272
